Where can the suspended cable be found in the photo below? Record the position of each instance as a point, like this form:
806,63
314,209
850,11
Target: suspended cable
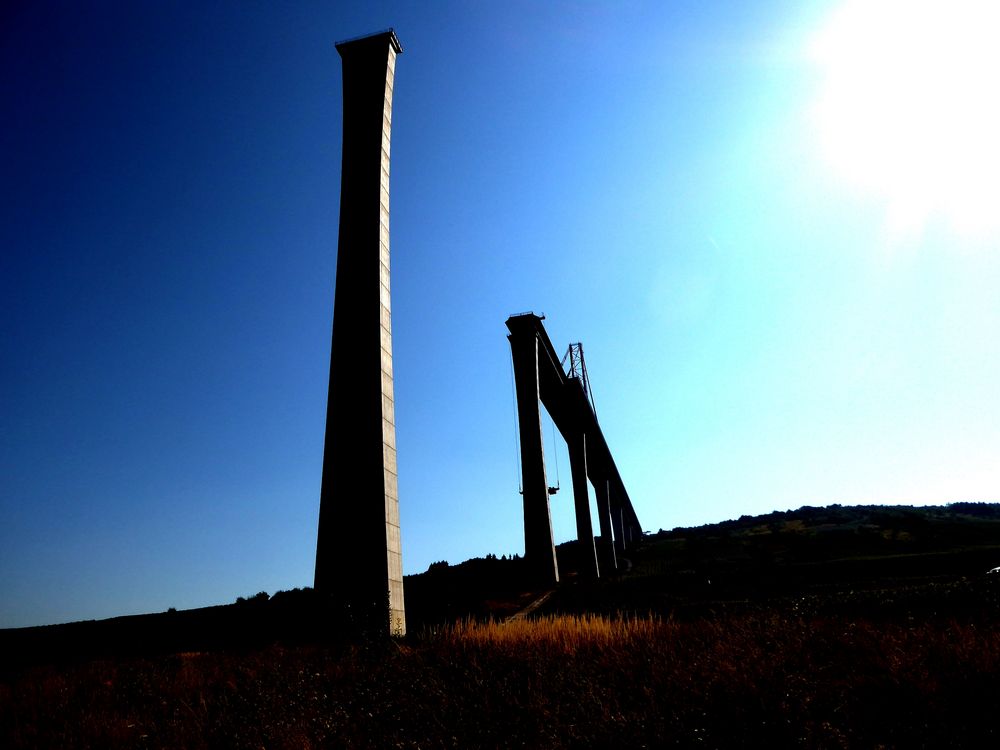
517,436
555,452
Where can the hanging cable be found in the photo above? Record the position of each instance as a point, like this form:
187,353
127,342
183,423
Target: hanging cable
517,437
555,452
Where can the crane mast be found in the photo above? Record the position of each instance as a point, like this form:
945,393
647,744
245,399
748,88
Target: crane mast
578,369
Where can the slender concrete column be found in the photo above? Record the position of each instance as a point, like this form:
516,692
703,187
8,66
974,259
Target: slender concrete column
618,525
631,530
359,551
539,545
577,445
607,558
629,534
634,530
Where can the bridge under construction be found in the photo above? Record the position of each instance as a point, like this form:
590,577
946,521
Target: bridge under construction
540,377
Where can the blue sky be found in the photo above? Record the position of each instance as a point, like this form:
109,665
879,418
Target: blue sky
783,276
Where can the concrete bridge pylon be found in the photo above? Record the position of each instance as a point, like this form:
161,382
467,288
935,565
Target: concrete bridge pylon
359,549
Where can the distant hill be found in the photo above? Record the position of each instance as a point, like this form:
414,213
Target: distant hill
836,553
894,561
898,560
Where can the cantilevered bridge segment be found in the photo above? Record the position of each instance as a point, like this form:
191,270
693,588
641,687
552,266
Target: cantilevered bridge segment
539,378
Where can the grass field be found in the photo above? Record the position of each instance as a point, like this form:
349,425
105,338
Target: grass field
750,680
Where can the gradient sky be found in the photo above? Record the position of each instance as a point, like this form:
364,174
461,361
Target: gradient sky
772,224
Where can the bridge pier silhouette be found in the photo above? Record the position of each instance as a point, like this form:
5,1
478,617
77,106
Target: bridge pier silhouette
540,379
358,546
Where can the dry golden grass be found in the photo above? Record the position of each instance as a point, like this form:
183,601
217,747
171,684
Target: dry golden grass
563,632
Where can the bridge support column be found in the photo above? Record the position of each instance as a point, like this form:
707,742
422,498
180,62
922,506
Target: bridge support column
358,546
607,557
617,523
539,546
584,528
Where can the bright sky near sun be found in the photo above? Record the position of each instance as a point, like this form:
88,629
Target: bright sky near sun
906,110
772,224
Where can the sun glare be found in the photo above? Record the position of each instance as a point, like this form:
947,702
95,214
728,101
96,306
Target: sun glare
910,109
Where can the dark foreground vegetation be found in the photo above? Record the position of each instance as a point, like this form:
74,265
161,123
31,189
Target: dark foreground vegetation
750,680
839,627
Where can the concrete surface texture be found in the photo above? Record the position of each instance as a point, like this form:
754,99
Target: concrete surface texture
359,549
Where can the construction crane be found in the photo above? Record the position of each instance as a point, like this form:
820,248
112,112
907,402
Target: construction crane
578,369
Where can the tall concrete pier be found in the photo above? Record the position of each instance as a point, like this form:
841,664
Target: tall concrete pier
358,551
539,547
